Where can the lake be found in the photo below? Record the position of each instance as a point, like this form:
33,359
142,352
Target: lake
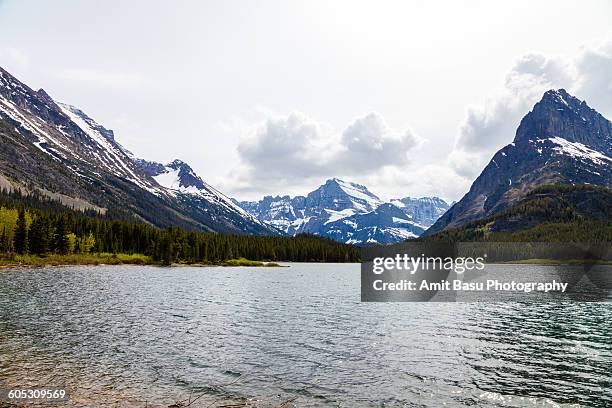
136,336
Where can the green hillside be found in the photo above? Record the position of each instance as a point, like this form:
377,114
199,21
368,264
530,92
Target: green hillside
550,213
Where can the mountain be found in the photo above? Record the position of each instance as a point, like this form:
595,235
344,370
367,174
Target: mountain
425,210
561,141
348,212
549,213
58,150
179,179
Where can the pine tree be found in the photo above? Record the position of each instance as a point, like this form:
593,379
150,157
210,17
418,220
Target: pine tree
4,247
166,249
38,236
61,242
21,234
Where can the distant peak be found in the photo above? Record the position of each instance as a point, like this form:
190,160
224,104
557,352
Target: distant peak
43,93
560,92
340,182
560,114
560,96
177,163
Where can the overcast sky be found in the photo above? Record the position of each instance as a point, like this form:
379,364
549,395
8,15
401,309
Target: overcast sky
273,97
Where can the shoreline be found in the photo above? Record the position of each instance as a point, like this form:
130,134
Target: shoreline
32,261
106,259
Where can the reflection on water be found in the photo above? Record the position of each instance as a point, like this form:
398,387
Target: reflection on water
264,336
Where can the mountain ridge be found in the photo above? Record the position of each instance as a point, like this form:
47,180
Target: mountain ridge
348,212
57,149
560,141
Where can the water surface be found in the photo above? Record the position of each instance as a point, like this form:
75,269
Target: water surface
268,335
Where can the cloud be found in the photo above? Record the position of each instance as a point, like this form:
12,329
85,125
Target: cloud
368,144
594,80
99,77
295,148
285,147
492,124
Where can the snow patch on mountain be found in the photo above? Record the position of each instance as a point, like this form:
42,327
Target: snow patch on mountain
578,150
179,178
337,215
169,179
348,212
362,198
113,156
30,125
108,174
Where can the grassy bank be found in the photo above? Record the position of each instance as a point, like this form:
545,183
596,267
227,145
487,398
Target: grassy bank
75,259
14,260
246,262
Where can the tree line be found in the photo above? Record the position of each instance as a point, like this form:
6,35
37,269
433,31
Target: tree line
549,213
34,224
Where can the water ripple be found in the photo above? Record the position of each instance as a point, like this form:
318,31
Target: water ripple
263,336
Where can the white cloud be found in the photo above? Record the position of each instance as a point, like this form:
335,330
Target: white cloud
490,125
285,147
594,81
368,144
295,149
100,77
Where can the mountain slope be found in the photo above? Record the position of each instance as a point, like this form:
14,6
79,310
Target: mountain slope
386,224
550,213
58,150
424,211
179,179
561,141
348,212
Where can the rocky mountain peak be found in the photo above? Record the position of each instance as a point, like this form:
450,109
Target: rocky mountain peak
559,114
179,164
338,195
186,175
176,174
560,141
60,150
348,212
561,96
45,96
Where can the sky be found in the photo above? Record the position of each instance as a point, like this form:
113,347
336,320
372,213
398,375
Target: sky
410,98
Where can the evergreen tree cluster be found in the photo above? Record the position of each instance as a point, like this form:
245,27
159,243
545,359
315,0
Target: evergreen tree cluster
40,226
549,213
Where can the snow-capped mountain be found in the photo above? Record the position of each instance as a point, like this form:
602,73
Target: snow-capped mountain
60,151
179,179
561,141
63,132
348,212
425,210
